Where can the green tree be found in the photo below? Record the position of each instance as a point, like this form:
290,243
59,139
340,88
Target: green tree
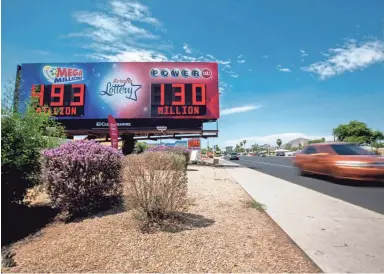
316,141
278,143
357,132
23,137
255,147
244,142
288,147
140,147
238,148
377,145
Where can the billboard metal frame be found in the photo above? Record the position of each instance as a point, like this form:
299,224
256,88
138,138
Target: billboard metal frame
141,128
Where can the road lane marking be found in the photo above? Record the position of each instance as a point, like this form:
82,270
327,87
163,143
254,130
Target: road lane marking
267,163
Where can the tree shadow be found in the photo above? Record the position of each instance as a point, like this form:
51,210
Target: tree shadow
191,169
19,221
177,222
109,206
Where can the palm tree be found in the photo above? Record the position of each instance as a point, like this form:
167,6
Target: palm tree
255,147
244,142
278,142
237,148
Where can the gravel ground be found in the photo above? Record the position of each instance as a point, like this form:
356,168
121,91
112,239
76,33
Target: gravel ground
224,235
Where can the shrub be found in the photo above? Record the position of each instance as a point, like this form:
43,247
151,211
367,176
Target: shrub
140,147
82,176
23,136
177,150
156,183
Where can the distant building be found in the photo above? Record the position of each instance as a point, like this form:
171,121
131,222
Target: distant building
296,143
229,148
174,144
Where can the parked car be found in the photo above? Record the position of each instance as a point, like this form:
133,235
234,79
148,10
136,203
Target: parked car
234,156
280,153
340,160
261,154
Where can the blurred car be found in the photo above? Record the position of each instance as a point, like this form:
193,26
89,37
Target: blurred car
280,153
340,160
261,154
234,156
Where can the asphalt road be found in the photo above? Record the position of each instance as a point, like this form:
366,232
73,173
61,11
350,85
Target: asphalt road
367,195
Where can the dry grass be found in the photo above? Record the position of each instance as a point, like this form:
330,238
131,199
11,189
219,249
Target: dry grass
220,234
37,196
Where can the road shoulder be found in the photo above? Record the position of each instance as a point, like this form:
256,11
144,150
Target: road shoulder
336,235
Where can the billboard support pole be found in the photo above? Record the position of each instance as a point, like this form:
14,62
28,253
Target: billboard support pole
16,94
113,132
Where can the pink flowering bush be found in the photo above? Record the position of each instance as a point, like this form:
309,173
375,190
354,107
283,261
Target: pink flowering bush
176,150
82,176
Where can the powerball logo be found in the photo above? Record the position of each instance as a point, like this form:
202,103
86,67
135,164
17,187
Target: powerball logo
62,74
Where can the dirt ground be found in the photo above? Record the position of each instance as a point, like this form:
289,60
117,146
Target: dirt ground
222,234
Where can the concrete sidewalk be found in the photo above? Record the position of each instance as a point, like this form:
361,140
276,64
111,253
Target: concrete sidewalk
336,235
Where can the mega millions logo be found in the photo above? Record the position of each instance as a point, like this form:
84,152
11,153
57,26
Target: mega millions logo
60,75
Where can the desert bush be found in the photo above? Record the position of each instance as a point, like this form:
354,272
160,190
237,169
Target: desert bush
82,177
23,136
156,183
140,147
176,150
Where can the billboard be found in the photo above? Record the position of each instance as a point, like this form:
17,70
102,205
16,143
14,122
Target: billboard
194,143
82,95
169,144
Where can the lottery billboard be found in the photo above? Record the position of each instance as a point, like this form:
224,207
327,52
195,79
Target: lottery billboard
86,93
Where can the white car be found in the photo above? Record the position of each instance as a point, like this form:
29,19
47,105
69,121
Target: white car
289,154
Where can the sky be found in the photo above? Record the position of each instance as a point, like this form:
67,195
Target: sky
287,69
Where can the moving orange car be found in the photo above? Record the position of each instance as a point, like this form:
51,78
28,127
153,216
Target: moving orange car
340,160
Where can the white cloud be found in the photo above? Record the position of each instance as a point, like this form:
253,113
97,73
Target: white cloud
109,28
123,31
348,58
240,59
233,110
133,11
132,54
223,87
265,56
280,68
40,52
271,139
187,49
303,53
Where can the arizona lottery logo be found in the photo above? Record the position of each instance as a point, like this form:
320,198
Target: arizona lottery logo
62,74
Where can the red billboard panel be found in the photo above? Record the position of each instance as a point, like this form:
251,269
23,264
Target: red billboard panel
194,143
